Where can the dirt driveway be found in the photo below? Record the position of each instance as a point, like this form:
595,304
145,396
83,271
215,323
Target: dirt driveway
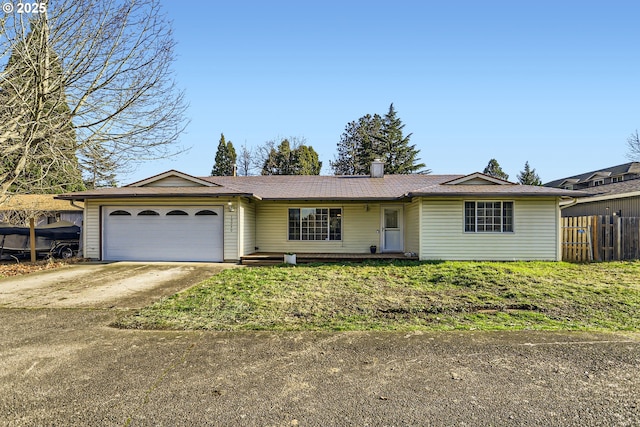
111,285
60,364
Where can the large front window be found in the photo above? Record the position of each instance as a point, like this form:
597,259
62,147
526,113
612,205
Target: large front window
482,217
315,224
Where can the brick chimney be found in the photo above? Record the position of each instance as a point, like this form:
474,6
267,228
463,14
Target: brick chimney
377,169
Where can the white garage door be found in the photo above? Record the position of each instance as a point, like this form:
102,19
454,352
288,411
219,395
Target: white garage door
161,233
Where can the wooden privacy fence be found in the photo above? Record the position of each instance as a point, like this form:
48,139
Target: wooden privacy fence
600,238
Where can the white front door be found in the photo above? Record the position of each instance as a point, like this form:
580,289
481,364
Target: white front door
392,232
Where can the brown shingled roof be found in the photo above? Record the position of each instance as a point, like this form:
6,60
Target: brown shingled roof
310,187
313,187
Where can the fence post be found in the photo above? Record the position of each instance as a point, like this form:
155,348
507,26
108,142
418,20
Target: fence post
618,236
595,227
32,239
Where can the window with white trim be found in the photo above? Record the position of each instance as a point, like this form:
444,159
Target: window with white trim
315,224
597,182
617,179
488,217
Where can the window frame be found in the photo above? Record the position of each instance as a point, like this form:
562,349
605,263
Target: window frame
503,214
313,227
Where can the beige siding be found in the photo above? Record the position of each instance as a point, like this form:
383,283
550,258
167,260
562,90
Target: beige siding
412,226
173,181
479,181
91,230
231,232
535,236
247,227
92,225
360,225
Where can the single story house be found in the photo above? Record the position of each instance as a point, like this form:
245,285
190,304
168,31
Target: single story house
179,217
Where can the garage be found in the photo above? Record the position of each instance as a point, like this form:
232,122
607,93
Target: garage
162,233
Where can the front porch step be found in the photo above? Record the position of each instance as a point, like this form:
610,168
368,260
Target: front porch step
306,258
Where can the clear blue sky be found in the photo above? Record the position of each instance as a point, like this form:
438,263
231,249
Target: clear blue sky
556,83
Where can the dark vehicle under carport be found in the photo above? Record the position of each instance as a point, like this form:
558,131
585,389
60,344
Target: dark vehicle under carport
58,240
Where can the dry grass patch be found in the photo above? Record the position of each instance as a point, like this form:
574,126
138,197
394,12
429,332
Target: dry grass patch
407,296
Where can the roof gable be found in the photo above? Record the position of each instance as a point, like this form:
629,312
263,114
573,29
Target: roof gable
173,178
599,174
478,178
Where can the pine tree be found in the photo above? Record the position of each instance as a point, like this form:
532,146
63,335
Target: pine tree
394,148
225,158
357,146
372,137
494,169
45,130
285,160
529,176
306,161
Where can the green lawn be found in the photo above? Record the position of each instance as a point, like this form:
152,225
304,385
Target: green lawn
407,296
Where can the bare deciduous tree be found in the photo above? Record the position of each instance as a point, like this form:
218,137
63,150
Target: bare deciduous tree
633,146
114,76
246,161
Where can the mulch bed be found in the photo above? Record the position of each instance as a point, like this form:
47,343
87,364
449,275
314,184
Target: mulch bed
14,268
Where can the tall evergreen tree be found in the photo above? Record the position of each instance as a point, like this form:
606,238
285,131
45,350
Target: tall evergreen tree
225,158
285,160
529,176
394,148
45,130
372,137
306,161
358,146
493,169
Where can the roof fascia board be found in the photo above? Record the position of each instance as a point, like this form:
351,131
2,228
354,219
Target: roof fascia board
150,196
608,197
486,195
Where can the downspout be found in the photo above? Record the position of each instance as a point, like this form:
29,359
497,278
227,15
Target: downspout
76,206
241,225
81,242
569,204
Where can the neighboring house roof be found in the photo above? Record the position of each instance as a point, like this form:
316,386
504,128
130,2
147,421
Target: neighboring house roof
37,202
617,190
314,187
626,168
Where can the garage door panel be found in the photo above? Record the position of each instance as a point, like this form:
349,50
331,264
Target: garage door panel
175,237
